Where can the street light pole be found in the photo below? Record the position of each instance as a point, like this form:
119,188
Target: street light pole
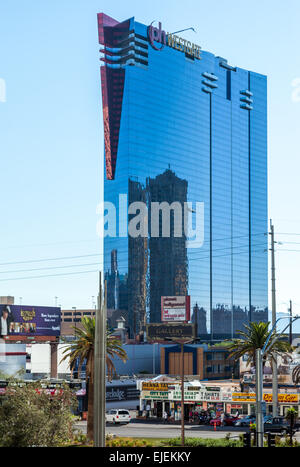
291,327
274,361
182,388
74,316
182,393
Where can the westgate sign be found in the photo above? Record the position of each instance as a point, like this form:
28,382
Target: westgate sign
171,40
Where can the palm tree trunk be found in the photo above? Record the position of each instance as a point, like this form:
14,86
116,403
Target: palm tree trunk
90,415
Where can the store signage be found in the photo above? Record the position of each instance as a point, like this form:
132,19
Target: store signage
155,395
283,398
244,396
188,395
115,395
212,396
267,397
122,393
161,391
171,40
173,331
175,308
154,386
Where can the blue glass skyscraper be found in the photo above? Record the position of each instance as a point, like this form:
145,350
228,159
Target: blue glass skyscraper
182,125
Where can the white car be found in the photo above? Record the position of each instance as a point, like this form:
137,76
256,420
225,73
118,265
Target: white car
117,416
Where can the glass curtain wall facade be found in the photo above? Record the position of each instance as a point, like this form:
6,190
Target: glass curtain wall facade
185,129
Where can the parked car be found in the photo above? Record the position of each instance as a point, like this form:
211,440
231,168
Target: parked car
245,421
118,416
297,424
229,420
276,425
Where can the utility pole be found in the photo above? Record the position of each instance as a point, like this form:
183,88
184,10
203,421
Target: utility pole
100,368
291,328
182,394
274,361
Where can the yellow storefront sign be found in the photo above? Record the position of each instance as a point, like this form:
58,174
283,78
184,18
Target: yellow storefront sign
243,397
251,397
283,398
154,386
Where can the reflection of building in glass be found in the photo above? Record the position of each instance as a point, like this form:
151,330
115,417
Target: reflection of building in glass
137,267
207,122
199,318
168,255
117,292
113,283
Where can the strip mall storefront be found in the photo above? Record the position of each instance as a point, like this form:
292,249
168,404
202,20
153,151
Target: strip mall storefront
156,398
285,401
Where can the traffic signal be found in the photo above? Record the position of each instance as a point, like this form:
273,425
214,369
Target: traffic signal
247,440
271,440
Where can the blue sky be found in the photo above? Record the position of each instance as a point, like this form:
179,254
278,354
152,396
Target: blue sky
51,136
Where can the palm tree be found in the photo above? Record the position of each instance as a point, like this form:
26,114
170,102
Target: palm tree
296,375
291,416
254,337
82,350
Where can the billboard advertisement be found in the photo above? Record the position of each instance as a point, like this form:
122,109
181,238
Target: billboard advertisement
26,321
175,308
285,365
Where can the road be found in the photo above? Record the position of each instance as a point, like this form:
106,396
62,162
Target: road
151,430
145,430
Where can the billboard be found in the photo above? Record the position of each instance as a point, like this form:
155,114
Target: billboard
26,321
175,308
285,365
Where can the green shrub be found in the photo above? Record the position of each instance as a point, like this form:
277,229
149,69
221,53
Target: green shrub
203,442
29,417
127,442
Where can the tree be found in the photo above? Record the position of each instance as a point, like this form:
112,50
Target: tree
296,375
254,337
291,416
30,416
81,351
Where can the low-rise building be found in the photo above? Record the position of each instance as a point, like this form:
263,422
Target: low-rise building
164,394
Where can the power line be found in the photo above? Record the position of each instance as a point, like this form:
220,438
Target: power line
53,267
103,254
94,264
287,233
285,249
48,259
33,245
97,270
